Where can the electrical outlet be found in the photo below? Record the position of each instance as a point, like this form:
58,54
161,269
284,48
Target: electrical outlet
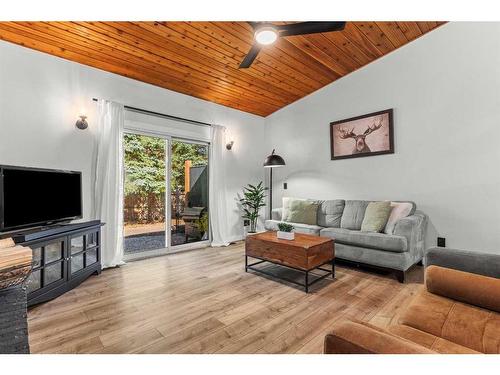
441,242
285,185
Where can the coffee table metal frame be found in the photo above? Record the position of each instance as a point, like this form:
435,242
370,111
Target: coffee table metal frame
306,283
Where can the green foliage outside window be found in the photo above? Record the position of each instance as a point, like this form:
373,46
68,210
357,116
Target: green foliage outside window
180,153
145,163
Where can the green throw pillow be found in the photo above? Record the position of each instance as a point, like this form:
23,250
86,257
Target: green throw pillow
304,212
376,216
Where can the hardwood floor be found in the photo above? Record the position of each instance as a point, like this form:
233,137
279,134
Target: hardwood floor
203,302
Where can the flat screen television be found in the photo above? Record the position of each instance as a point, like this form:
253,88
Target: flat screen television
31,197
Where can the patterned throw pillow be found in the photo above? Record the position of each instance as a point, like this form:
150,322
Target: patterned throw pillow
286,207
287,201
376,216
303,211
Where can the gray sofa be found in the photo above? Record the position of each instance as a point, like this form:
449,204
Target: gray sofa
341,219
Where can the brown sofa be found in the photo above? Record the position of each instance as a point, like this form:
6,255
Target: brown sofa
458,311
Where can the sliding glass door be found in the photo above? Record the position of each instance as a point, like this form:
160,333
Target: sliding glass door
165,194
189,192
145,182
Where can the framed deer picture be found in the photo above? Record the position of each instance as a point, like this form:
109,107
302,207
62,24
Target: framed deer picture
366,135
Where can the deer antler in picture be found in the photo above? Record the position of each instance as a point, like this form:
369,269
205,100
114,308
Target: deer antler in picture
374,127
344,133
360,145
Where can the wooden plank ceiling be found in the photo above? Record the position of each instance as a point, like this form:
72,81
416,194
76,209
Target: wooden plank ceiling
201,58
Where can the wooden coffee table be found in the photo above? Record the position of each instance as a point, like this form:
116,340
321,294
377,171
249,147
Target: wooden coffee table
305,253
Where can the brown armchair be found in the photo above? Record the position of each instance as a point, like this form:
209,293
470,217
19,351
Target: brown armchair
458,312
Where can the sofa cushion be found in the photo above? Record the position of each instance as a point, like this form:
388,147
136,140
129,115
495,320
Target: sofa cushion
429,341
470,326
330,213
377,241
382,258
304,212
477,290
376,216
298,227
357,337
353,214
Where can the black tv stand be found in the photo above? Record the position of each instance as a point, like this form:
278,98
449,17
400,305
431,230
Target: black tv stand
64,255
50,230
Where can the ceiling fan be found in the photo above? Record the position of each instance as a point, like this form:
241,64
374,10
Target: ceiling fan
267,33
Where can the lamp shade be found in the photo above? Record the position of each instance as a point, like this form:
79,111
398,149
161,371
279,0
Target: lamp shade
274,160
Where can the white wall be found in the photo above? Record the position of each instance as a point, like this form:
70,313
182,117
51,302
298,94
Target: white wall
445,91
41,96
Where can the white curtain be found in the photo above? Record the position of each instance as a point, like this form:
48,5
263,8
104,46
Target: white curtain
217,187
108,189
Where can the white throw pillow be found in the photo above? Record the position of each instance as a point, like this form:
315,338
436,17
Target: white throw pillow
399,211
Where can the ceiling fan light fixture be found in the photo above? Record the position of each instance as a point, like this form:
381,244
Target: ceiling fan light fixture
266,35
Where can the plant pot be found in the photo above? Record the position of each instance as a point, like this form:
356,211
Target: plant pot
285,235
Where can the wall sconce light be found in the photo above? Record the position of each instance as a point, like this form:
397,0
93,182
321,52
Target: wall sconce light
229,145
82,123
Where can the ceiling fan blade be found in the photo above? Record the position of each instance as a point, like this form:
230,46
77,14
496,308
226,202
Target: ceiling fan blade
302,28
253,24
250,57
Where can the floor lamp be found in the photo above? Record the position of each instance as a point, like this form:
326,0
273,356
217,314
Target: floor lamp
272,161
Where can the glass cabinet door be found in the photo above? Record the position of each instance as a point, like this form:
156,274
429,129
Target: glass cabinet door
91,249
53,260
77,245
83,251
48,265
77,248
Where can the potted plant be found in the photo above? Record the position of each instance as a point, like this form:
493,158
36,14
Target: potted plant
252,202
202,226
285,231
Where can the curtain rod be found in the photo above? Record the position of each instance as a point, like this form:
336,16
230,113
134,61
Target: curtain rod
158,114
